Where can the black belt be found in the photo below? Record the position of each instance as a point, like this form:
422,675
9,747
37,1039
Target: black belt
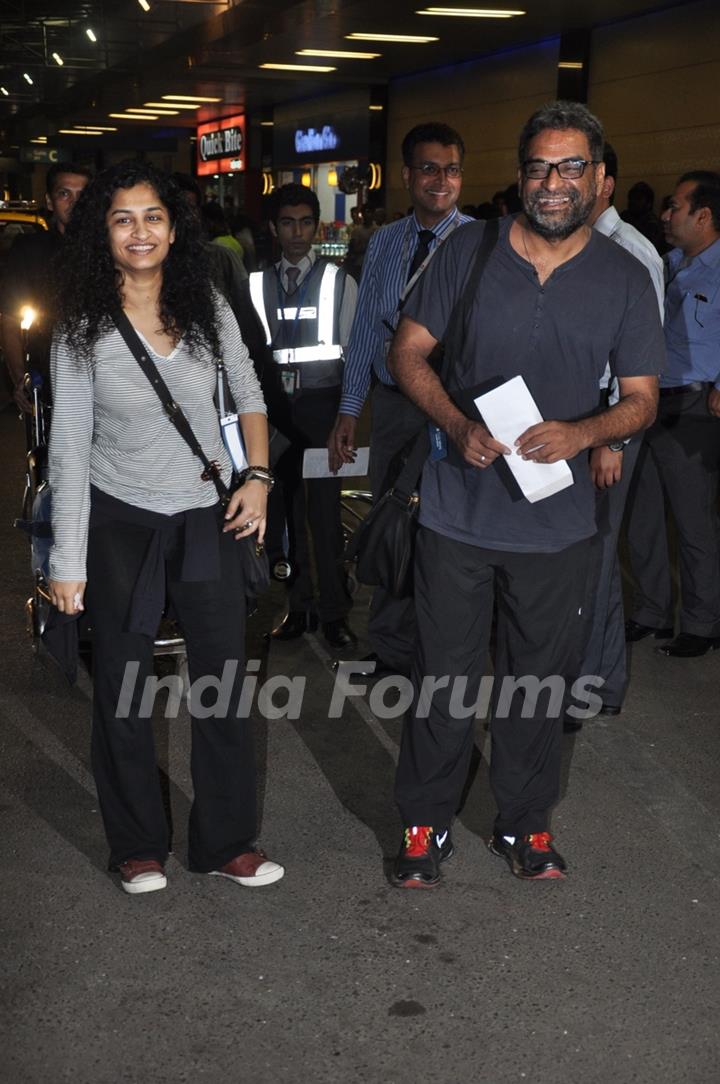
696,385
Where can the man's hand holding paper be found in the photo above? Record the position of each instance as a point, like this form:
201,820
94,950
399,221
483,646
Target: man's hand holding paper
549,442
475,444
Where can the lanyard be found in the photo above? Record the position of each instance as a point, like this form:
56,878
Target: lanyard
283,297
407,256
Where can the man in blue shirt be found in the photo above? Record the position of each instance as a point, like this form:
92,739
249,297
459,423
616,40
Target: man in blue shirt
396,258
681,451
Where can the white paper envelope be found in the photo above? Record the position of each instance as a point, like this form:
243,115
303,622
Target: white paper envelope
315,464
507,412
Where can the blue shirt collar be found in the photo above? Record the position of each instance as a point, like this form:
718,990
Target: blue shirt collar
440,227
709,256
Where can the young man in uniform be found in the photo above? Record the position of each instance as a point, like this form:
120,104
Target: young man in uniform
306,306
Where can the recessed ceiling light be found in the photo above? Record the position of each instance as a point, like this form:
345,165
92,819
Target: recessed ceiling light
5,91
571,65
94,128
91,34
132,116
162,112
58,59
412,39
76,131
338,55
473,13
186,98
144,5
376,108
40,139
27,79
267,123
168,105
298,67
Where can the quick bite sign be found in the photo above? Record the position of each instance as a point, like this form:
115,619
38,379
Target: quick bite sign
221,146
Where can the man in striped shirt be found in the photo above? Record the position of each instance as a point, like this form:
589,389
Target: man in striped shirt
396,258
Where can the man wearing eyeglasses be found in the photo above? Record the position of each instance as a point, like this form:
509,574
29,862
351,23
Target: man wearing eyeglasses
396,258
556,300
680,456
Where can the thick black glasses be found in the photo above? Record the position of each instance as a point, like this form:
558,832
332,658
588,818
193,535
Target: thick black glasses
570,169
429,169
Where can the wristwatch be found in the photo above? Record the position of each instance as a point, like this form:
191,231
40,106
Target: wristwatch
616,446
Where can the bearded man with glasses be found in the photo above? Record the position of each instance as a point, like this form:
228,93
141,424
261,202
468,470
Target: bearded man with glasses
556,300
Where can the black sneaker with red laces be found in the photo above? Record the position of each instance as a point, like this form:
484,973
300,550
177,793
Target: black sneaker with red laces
530,857
422,850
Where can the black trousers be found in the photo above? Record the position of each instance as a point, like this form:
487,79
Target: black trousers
539,601
212,617
679,463
395,420
313,503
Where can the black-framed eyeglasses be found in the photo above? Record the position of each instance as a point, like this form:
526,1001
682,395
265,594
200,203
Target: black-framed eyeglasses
430,169
569,169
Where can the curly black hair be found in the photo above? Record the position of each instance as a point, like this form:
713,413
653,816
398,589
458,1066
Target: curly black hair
89,283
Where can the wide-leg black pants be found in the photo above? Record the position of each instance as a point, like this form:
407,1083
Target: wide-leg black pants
212,617
539,602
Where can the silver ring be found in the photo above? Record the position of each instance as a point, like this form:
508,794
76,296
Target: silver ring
248,524
482,458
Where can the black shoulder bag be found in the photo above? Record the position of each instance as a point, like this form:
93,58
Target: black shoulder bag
383,545
256,570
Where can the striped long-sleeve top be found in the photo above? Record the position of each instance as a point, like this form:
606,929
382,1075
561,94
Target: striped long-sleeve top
109,430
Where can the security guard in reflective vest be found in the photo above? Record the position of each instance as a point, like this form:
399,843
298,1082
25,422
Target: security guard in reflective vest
306,307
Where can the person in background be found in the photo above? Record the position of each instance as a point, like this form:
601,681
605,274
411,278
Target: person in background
228,273
611,467
396,258
306,305
136,520
218,231
28,279
679,464
640,213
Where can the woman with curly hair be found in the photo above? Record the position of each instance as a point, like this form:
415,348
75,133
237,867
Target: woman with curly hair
135,519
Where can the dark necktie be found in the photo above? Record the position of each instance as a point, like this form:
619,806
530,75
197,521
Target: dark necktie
425,239
293,274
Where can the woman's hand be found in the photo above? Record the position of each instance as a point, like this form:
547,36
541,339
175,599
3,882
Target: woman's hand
247,511
67,595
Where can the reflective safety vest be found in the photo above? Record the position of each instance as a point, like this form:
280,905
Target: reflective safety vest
302,329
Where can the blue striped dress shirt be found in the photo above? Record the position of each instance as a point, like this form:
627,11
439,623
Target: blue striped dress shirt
384,274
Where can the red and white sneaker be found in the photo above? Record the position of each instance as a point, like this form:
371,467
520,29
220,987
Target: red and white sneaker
422,850
531,857
142,875
251,869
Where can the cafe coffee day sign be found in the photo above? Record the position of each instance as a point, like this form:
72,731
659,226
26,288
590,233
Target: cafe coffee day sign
221,146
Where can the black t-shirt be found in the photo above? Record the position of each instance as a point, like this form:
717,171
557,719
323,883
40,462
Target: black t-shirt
599,305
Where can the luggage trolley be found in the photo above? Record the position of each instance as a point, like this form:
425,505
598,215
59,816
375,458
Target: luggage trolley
35,520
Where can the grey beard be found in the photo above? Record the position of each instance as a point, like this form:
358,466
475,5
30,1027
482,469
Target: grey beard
552,228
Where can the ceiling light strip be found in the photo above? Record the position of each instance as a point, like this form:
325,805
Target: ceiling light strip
473,13
298,67
187,98
337,55
409,39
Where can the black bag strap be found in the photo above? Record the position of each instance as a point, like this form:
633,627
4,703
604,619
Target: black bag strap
408,478
211,473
